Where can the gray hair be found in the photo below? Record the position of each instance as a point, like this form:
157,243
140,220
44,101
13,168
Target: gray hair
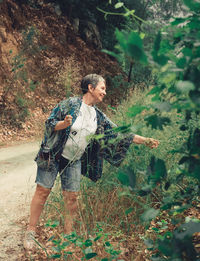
93,79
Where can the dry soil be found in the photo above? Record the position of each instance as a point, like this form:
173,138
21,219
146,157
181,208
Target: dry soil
17,174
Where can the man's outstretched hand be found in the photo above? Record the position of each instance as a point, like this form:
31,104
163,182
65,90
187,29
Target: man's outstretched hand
149,142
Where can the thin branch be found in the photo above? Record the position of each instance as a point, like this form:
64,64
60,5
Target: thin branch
122,14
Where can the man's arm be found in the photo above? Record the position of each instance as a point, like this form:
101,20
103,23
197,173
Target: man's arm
64,124
149,142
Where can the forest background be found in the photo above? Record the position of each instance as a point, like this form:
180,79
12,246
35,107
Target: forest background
148,51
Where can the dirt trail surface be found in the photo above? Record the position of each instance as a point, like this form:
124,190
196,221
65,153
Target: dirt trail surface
17,175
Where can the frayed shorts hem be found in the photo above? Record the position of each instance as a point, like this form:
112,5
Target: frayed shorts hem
70,177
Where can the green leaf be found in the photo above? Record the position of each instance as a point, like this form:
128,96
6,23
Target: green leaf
187,230
134,51
65,244
161,59
88,243
165,247
157,122
181,62
167,185
129,12
97,238
121,38
128,211
56,256
135,47
51,223
180,209
149,243
195,97
117,56
107,243
122,129
118,5
99,136
163,106
193,5
90,255
132,45
187,51
149,214
183,160
123,178
184,86
195,141
155,90
142,35
155,229
133,111
157,43
178,21
51,238
135,39
145,190
157,170
127,176
169,78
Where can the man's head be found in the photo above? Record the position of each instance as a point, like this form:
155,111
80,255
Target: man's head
90,79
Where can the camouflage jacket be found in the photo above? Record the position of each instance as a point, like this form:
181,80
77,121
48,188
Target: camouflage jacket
107,144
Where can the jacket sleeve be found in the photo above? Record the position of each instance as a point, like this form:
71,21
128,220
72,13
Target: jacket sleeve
115,145
53,119
51,136
57,114
114,151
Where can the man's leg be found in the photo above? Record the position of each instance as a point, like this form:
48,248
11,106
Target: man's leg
37,206
71,209
70,180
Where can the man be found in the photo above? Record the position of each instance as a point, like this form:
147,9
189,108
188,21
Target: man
68,150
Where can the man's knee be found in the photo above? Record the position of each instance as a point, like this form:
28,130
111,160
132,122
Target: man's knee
70,195
70,199
42,192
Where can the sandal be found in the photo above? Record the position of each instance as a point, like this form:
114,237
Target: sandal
29,240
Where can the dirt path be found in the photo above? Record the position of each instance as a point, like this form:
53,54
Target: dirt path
17,174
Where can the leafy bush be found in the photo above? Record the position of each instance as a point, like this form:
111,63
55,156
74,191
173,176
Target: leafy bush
175,60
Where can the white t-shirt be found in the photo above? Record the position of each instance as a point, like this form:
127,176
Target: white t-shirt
84,125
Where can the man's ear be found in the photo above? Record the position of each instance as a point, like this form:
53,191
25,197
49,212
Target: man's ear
90,88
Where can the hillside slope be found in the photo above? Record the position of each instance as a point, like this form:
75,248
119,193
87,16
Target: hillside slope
42,61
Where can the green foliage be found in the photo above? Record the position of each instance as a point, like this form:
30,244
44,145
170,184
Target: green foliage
175,59
149,214
103,14
157,122
19,83
86,246
133,111
117,85
152,183
161,59
132,46
173,244
19,117
127,177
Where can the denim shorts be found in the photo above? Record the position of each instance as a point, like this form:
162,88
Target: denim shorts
70,176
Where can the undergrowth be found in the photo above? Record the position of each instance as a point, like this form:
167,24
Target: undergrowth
109,225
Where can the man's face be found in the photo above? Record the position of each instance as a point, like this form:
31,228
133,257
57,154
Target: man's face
99,92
